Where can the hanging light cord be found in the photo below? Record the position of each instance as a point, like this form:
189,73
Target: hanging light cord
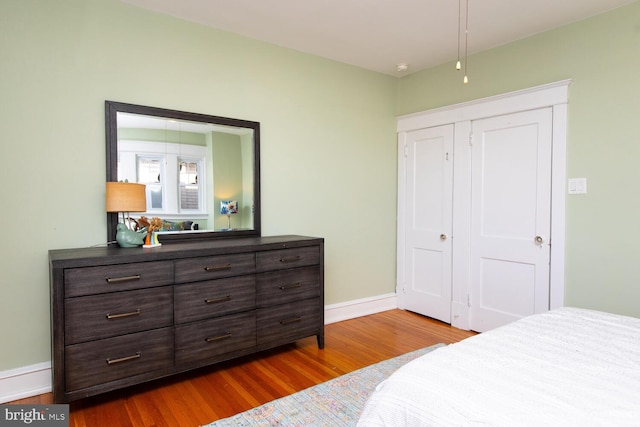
466,43
458,66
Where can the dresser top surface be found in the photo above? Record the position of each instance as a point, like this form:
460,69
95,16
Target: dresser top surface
79,257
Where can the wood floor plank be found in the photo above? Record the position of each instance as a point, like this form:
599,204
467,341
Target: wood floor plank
205,395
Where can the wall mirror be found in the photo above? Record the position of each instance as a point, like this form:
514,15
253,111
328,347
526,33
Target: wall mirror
202,172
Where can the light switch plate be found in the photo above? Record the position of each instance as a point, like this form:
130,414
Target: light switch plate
578,186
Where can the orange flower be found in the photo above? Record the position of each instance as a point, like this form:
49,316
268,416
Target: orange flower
155,224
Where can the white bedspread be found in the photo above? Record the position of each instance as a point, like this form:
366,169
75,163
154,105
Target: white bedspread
567,367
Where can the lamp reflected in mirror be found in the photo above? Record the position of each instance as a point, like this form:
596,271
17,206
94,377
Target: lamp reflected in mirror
228,208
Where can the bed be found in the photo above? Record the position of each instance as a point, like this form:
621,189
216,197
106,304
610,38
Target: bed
566,367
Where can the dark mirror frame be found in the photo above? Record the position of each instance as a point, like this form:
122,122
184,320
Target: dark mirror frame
112,109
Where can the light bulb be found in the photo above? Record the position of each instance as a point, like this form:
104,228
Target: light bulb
458,65
466,79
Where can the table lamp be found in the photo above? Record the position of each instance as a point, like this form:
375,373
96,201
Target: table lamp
228,208
126,197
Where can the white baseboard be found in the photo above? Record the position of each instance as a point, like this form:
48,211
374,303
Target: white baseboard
357,308
28,381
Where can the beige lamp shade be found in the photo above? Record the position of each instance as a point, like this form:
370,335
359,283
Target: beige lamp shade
126,197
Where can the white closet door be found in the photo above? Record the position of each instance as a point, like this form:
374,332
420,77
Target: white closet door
428,219
510,217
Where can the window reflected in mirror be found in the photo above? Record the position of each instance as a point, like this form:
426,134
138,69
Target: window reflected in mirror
171,173
150,174
190,199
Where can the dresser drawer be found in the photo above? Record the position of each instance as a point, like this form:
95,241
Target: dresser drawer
279,287
210,338
110,359
112,278
207,268
289,322
287,258
101,316
214,298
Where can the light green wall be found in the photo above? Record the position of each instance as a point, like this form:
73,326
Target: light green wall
602,56
227,178
327,146
246,144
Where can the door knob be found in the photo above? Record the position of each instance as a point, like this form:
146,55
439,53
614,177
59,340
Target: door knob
539,240
443,237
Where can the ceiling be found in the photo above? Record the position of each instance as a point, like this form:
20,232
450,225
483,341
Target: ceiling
380,34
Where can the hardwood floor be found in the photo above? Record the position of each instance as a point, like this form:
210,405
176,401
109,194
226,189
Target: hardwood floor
208,394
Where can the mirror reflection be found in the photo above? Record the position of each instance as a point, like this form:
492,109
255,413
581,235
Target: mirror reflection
201,172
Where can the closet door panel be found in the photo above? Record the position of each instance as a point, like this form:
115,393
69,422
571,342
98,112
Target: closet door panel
510,217
429,190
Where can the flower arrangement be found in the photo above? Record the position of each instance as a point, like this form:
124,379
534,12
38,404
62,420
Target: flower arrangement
152,226
141,223
155,224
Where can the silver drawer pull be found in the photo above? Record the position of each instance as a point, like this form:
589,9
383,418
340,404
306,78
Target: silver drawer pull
217,300
219,337
123,279
290,259
288,321
291,286
218,267
121,315
111,361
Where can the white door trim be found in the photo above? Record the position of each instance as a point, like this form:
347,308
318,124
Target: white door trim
553,95
547,95
558,200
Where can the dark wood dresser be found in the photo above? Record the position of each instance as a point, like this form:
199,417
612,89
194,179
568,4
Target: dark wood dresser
125,316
